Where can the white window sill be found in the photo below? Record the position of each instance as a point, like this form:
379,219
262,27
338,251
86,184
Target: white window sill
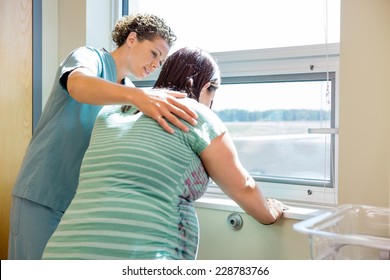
295,211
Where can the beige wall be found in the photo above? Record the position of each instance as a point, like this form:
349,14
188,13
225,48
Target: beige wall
83,22
69,24
49,45
253,242
364,102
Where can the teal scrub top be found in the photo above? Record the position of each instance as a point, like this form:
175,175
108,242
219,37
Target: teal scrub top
50,170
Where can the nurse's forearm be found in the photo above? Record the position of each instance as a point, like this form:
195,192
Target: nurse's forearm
97,91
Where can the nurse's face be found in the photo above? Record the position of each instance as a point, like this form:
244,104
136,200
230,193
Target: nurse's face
146,56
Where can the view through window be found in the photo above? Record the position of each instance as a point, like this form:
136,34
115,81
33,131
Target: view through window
269,124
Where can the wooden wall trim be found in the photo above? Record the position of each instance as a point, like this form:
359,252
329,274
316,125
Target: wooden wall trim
15,100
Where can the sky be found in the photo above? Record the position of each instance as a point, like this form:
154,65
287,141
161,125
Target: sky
225,25
261,97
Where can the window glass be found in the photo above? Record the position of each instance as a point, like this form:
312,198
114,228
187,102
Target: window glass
221,25
269,124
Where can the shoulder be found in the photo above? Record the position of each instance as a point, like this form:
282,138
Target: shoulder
196,106
205,114
88,57
208,126
85,56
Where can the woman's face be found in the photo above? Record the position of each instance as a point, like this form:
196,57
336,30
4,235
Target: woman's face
206,96
146,56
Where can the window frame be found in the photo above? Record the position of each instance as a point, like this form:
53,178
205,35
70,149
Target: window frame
302,77
290,63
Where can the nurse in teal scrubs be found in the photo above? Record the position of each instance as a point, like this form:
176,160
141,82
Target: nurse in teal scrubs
85,81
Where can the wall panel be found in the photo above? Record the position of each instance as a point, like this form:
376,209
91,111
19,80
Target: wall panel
15,100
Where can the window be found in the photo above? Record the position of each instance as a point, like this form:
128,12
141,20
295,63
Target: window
269,122
230,25
279,65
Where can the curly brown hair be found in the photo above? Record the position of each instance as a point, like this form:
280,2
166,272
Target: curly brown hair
147,27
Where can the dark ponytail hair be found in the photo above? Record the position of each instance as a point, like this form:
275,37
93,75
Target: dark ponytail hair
188,70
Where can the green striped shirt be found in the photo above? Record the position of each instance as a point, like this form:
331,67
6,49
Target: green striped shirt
136,190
